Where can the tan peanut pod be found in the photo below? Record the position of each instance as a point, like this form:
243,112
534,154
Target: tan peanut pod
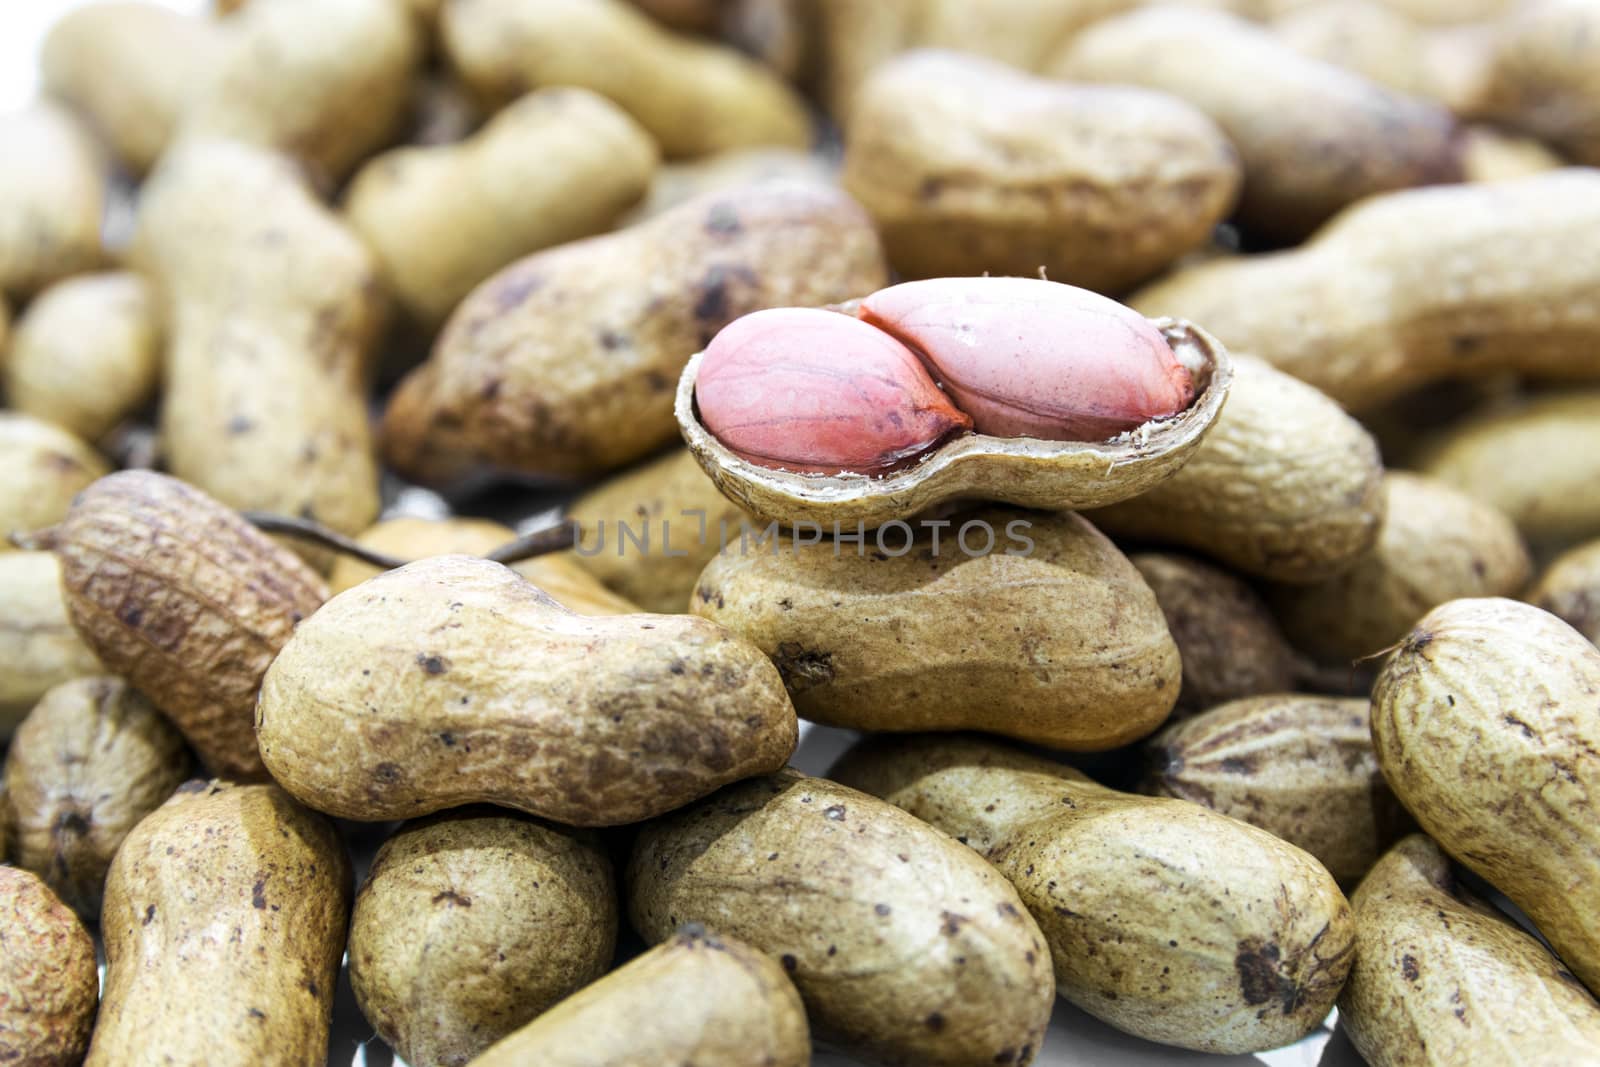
92,759
1437,544
1484,725
1027,471
272,309
1330,138
39,648
1286,486
906,948
969,166
1366,37
131,68
1569,589
186,600
471,924
566,362
553,166
1425,12
1545,77
1441,977
693,96
326,82
855,39
48,983
87,354
560,575
52,195
1165,920
1414,287
1300,767
1489,154
1380,41
649,531
730,1006
45,467
1538,462
940,638
224,923
400,698
1229,642
675,183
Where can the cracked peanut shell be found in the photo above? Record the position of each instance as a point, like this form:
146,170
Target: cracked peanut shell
1027,471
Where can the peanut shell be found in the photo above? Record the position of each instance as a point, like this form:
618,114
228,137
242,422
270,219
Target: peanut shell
48,983
187,601
1484,725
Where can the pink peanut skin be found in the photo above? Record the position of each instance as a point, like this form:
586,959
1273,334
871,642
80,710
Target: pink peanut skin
1031,358
819,392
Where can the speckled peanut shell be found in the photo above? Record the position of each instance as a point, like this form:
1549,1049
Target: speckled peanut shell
92,759
454,680
39,648
553,166
1416,287
1545,76
970,166
87,353
52,195
1569,589
943,640
564,363
224,922
558,574
907,948
675,519
1484,725
1286,486
48,983
726,1005
1440,977
1229,643
695,97
272,308
1328,139
186,600
1538,462
328,83
1437,544
1300,767
45,467
471,924
1058,475
1164,919
131,68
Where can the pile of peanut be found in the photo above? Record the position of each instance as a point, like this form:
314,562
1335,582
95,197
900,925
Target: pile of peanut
1166,435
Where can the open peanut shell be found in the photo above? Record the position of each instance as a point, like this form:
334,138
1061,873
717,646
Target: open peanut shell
1027,471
